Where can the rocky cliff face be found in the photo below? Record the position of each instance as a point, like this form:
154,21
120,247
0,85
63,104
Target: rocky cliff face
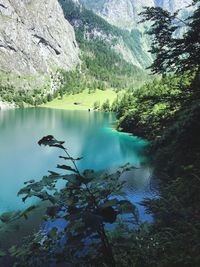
124,13
35,37
173,5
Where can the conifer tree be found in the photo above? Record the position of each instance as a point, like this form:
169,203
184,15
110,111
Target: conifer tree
172,53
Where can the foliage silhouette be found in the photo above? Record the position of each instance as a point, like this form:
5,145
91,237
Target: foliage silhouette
86,205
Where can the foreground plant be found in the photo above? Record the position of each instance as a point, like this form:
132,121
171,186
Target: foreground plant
84,207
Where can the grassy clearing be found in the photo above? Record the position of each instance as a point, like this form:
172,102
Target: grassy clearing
85,99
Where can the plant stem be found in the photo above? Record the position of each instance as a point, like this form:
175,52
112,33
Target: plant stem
107,249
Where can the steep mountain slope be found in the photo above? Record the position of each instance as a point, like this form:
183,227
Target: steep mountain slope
93,27
124,13
109,57
35,38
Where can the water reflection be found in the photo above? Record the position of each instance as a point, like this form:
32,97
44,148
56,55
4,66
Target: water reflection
87,134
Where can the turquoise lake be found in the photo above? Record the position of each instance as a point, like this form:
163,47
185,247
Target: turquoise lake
87,134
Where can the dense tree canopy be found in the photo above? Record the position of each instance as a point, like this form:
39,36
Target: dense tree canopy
167,111
174,52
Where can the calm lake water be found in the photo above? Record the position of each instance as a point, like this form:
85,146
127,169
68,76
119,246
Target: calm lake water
87,134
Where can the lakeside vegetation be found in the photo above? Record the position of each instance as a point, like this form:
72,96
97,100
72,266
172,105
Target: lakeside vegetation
165,111
148,111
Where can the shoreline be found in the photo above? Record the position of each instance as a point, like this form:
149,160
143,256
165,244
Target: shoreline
6,105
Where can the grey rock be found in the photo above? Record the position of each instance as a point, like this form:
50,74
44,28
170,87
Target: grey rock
124,13
35,37
173,5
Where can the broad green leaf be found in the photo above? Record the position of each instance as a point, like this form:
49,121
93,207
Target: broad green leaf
29,182
25,190
49,140
67,168
53,173
70,158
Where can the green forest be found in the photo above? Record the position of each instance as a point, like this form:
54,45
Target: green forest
161,105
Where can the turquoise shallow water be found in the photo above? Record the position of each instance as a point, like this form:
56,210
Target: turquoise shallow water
87,134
